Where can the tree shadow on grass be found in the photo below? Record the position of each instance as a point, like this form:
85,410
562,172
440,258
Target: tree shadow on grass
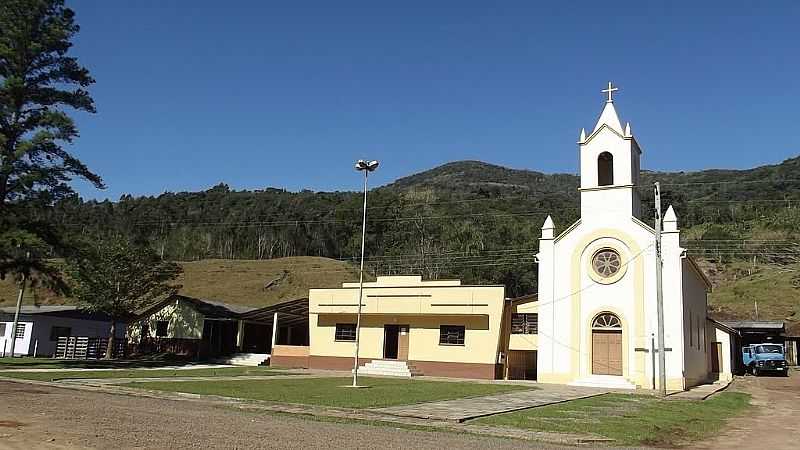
155,360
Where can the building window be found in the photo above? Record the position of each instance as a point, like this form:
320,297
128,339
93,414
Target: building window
451,335
20,331
161,328
605,169
345,332
2,329
701,337
524,323
606,321
57,332
606,262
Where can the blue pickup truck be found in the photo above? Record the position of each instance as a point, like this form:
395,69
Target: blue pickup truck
761,358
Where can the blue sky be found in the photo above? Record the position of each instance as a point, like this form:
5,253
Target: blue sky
256,94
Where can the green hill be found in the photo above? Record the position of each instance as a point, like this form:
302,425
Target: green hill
243,282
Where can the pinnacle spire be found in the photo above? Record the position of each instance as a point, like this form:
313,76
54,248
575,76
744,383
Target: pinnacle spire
548,229
670,215
670,221
582,139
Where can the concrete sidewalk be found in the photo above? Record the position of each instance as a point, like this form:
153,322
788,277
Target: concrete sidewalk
463,409
701,392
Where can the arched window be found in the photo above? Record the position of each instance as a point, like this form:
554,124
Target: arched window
605,169
606,321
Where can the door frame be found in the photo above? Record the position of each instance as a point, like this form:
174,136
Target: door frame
392,328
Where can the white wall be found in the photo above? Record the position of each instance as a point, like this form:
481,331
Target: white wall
696,345
22,344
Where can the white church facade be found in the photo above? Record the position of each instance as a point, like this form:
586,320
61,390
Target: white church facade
597,280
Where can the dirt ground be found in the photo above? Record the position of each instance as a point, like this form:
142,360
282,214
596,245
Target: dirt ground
772,424
50,417
36,416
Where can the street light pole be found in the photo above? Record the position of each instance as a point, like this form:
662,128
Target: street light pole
366,167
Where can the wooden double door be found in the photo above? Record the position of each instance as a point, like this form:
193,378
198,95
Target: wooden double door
607,352
521,364
395,342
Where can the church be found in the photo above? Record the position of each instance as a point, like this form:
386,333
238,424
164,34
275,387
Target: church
597,280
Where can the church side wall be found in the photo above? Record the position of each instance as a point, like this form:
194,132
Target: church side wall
696,359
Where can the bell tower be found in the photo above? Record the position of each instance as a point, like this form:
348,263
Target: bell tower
609,159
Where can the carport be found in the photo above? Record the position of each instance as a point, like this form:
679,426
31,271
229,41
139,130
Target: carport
284,323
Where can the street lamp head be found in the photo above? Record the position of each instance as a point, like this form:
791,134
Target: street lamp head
369,166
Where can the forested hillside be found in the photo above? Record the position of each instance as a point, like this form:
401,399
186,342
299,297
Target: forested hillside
467,219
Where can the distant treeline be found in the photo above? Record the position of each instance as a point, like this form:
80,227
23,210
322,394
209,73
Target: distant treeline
466,219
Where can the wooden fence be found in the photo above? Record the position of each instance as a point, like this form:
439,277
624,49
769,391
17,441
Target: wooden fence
80,347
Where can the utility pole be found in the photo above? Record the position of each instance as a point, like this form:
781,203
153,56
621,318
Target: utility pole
662,356
19,304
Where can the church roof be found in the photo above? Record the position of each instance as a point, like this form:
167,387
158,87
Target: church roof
610,118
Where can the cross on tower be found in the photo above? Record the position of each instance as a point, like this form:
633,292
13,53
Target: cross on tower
610,91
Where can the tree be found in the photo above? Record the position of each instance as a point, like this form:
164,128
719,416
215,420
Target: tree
117,277
38,81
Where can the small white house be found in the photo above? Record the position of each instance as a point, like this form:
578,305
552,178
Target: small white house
39,328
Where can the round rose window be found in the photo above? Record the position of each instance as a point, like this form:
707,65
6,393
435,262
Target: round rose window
606,263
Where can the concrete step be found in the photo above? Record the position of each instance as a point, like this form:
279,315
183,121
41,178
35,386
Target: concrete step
387,363
245,359
392,368
604,381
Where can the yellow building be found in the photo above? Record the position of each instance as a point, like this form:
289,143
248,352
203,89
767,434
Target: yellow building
438,328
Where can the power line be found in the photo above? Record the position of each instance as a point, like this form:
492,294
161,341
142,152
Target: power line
702,183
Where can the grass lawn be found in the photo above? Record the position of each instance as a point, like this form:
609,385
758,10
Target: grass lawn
139,373
329,391
630,419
